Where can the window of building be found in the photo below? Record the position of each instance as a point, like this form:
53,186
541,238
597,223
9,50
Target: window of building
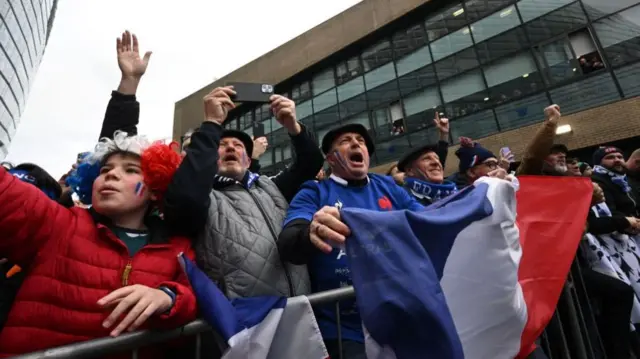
287,153
265,112
353,106
327,117
347,70
384,94
445,22
429,134
558,61
377,55
323,81
464,94
593,91
379,76
502,45
324,100
521,113
531,9
512,78
351,89
304,109
556,23
477,9
361,118
476,126
414,61
397,118
599,8
267,158
620,36
406,41
417,80
391,150
457,63
301,91
232,125
628,79
388,121
420,108
245,120
451,43
495,24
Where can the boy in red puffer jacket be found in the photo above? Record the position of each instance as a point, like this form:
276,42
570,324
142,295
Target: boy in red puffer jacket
97,272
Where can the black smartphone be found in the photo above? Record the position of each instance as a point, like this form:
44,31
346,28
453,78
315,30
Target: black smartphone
258,130
251,92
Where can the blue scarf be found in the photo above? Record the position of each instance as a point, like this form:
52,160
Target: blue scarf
432,191
618,179
249,178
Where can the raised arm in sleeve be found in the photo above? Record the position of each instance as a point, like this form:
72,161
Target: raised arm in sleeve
28,219
442,150
537,150
294,244
307,163
605,225
123,112
187,201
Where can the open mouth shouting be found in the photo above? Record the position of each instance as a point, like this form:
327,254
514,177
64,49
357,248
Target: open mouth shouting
231,157
355,159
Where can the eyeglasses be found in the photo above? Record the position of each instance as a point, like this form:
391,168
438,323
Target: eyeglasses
492,165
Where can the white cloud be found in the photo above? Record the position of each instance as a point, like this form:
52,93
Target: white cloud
193,42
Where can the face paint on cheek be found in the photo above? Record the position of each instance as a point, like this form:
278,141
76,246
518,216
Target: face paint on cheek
341,160
140,188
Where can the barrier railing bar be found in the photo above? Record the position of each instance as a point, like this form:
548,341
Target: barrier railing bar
130,341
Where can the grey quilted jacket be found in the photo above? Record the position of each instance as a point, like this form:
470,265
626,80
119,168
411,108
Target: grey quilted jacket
238,246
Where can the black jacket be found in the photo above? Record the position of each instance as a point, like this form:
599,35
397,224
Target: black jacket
619,202
186,204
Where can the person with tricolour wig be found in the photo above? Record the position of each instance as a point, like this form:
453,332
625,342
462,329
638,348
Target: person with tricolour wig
96,272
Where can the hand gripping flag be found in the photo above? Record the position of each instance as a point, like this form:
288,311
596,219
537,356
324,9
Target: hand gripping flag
258,327
461,261
440,283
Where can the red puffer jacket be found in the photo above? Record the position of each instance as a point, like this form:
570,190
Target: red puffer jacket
72,260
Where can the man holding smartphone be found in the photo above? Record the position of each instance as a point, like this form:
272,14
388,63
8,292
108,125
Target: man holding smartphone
237,215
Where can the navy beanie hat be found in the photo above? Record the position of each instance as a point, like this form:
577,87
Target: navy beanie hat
603,151
471,154
37,176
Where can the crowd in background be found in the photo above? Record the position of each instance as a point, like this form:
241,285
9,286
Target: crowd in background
93,253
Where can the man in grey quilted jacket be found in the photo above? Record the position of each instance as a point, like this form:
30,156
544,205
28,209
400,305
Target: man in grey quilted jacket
237,215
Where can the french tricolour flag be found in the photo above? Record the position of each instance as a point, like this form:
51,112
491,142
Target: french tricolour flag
465,278
258,327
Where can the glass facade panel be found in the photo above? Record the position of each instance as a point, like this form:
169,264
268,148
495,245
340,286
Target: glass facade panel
323,81
417,80
495,24
620,36
458,63
362,119
522,113
379,76
350,89
420,108
599,8
628,78
325,100
445,22
406,41
513,77
502,45
304,109
560,21
390,150
593,91
462,86
531,9
377,55
451,43
477,9
558,61
414,61
475,126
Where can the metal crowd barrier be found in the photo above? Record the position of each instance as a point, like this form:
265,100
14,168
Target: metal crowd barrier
572,332
134,341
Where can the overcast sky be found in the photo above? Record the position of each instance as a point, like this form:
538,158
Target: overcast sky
68,98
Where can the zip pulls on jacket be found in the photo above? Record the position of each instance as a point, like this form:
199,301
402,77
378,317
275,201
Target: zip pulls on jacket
126,272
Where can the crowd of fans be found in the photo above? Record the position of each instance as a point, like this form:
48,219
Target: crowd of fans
94,254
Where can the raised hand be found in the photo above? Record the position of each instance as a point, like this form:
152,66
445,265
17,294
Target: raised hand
442,123
218,103
285,112
129,61
260,145
552,113
326,229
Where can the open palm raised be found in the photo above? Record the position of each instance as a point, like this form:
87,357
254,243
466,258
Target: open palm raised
129,59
